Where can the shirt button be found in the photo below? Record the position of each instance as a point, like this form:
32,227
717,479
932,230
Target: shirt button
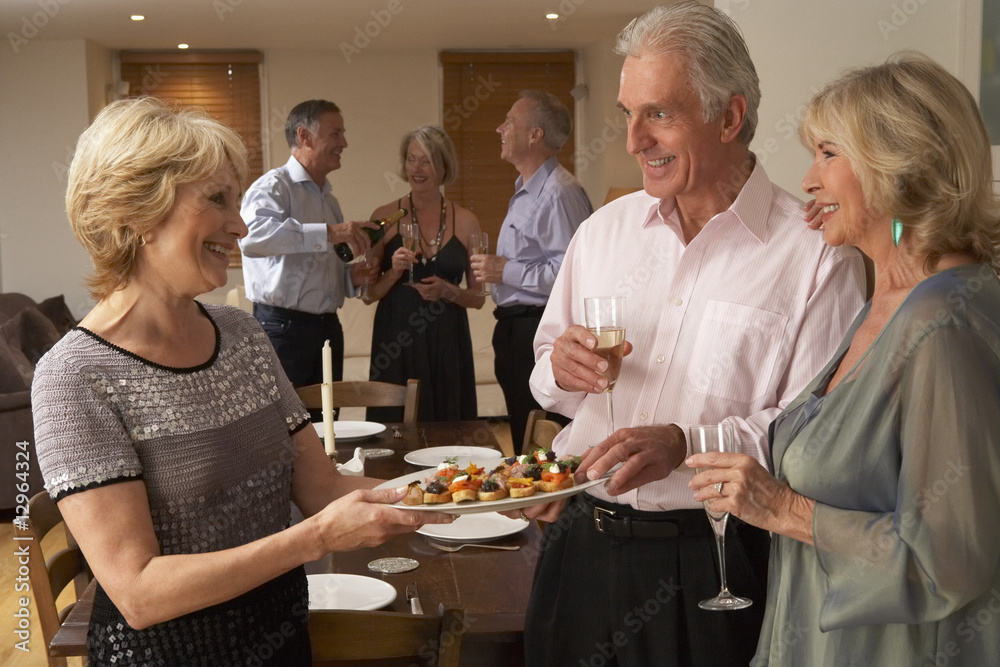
643,416
678,301
660,359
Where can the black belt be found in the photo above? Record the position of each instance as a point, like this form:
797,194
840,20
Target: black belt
503,312
627,522
297,315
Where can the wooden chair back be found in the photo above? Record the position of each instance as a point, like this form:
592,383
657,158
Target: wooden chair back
539,432
355,394
389,637
63,567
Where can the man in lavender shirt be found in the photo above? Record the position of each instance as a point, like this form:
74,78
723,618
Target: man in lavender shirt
547,207
732,306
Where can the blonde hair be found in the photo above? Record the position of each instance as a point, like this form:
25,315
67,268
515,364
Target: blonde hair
717,59
436,143
920,150
125,173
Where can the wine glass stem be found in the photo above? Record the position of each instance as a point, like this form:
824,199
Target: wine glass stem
720,542
611,413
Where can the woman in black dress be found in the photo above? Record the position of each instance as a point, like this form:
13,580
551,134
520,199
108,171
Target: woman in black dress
422,330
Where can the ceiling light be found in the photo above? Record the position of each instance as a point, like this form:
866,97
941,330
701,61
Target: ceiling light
552,16
182,46
137,17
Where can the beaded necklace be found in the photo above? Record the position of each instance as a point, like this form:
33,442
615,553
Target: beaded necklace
441,228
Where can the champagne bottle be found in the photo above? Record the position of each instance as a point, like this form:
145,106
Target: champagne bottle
344,251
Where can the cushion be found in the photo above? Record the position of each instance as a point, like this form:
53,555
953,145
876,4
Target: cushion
12,303
13,364
58,312
28,335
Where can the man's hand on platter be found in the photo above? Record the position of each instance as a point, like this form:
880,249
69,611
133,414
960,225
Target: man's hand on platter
548,512
647,454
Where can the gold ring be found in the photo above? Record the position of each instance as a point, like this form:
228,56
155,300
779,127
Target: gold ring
718,488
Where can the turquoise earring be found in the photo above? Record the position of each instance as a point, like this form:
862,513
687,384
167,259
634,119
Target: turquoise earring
897,231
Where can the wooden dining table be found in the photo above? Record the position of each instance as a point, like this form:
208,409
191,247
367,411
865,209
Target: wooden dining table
492,586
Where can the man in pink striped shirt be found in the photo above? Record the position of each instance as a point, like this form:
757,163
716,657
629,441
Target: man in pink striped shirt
732,306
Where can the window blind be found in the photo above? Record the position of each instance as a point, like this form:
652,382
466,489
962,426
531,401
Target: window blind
478,90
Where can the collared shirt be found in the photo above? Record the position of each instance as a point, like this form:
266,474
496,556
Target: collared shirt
287,261
728,328
543,215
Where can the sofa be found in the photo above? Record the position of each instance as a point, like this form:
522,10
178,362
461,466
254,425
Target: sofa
27,331
357,320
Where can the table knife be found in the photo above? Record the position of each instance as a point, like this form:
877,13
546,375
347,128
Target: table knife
411,595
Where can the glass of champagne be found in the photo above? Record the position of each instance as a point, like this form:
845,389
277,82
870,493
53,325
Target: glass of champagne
605,316
480,246
369,262
717,438
410,231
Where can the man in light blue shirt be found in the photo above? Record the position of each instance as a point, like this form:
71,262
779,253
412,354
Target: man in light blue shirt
547,207
292,275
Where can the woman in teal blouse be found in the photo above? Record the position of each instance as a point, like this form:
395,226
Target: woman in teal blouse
885,498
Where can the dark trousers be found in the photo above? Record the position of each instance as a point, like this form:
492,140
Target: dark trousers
601,600
514,359
298,339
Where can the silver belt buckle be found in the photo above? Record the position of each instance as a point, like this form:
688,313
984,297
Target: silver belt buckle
598,511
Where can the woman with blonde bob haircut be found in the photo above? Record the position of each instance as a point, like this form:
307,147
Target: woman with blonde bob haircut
886,484
165,429
921,158
437,146
125,174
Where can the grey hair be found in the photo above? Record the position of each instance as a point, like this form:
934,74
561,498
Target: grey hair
306,114
551,115
719,63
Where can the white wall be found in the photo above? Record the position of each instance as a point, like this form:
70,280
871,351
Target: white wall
43,107
98,77
799,45
602,160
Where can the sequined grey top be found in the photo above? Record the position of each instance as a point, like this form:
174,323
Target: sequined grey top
213,446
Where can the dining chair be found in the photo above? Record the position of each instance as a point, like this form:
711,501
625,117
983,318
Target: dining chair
539,432
65,566
346,637
365,394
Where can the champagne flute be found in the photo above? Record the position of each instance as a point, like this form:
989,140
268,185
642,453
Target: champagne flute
717,438
410,231
480,246
605,317
370,261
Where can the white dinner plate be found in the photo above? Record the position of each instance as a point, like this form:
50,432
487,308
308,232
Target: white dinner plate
431,457
348,431
480,506
474,528
348,591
